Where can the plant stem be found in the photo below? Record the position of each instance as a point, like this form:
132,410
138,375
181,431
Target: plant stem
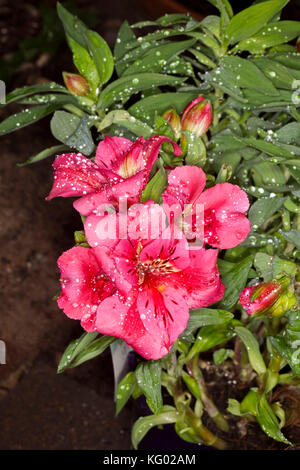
212,410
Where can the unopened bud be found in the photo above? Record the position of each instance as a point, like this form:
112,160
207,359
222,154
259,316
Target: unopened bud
76,84
197,116
173,118
268,297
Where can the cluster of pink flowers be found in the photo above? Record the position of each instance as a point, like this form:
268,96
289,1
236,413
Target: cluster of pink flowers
139,287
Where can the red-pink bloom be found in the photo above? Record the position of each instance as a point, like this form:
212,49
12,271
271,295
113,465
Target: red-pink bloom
121,169
223,206
158,281
84,285
197,116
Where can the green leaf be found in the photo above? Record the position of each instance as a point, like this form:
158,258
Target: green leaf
140,428
125,36
123,88
124,390
268,421
252,347
271,35
220,355
124,119
155,59
84,64
155,187
290,133
269,267
293,236
101,55
72,131
20,93
74,348
210,336
81,139
44,154
92,349
264,208
251,20
207,316
30,115
147,108
235,280
277,73
148,375
94,44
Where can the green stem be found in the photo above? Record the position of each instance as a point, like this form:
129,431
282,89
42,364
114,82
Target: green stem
212,410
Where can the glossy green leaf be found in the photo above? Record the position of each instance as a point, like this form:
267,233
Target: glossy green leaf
148,108
72,131
85,64
207,316
268,421
155,187
140,428
269,267
74,348
148,375
251,20
124,390
279,75
220,355
124,119
101,55
196,150
272,34
263,209
44,154
20,93
210,336
235,280
125,35
123,88
292,236
252,347
30,115
155,59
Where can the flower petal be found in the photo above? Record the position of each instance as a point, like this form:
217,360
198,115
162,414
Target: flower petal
110,150
201,279
84,285
226,226
74,175
122,320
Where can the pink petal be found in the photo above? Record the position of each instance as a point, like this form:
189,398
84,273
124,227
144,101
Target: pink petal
201,279
110,150
118,318
152,147
226,226
84,285
133,161
186,183
91,202
74,175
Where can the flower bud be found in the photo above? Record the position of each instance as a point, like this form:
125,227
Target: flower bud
173,118
76,84
197,116
268,297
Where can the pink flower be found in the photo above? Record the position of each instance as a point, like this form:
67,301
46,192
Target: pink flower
197,116
223,206
121,169
84,285
158,281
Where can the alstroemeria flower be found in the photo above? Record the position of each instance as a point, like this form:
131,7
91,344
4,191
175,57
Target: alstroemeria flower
159,280
223,206
121,169
84,285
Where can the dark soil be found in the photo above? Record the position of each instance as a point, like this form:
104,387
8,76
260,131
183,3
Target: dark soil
40,409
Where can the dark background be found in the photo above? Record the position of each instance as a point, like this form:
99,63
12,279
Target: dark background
39,409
